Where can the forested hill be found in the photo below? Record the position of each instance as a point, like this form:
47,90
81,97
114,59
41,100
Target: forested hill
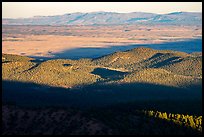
146,65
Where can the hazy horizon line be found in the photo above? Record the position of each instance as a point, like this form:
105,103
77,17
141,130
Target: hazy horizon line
99,12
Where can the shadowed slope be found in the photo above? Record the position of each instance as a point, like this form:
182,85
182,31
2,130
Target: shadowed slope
30,94
68,121
49,121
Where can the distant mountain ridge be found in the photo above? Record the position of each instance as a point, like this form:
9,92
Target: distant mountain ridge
110,18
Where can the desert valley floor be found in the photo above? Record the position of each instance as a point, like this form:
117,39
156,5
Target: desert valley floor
76,42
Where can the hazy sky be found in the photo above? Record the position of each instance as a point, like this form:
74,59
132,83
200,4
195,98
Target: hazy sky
30,9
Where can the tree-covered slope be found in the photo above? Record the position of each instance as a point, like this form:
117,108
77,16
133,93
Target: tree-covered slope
165,67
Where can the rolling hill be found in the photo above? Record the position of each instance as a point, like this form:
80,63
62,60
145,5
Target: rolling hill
165,67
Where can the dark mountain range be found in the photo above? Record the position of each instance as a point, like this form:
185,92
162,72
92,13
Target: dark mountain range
110,18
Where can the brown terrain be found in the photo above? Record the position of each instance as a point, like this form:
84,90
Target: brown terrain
48,40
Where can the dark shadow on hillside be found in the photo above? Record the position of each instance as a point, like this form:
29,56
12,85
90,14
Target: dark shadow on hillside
163,62
132,122
109,74
67,65
188,46
142,94
122,122
6,61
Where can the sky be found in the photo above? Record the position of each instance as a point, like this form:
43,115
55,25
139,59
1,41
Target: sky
30,9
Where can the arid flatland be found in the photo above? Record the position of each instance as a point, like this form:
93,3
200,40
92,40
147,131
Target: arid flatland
46,41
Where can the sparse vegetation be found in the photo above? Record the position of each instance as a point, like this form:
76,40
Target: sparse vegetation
194,122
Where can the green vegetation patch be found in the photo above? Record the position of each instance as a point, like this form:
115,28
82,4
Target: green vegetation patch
194,122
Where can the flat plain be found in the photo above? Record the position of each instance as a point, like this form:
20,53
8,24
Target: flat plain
57,41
